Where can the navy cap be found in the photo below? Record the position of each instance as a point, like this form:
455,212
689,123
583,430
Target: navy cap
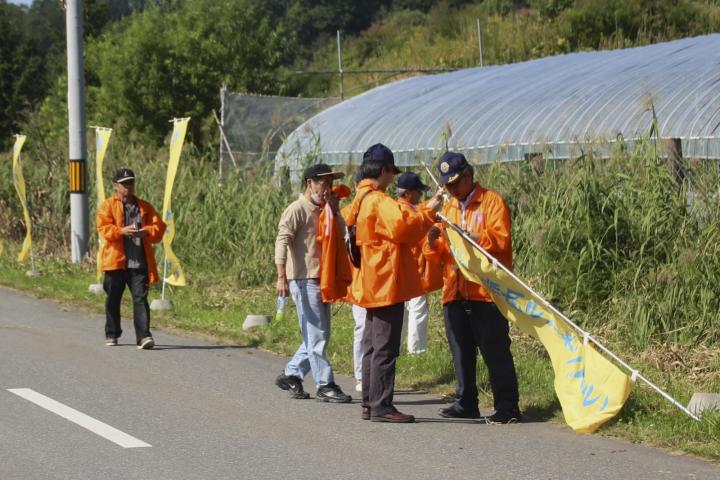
411,181
382,154
320,170
452,164
123,174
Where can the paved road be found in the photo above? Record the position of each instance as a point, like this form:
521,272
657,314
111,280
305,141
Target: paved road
212,411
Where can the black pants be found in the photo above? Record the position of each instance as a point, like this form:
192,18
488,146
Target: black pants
114,285
381,347
471,325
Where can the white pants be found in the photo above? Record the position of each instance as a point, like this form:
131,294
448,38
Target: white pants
359,314
416,319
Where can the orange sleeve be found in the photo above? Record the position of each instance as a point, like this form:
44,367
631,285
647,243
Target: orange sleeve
155,227
495,237
400,225
439,254
105,225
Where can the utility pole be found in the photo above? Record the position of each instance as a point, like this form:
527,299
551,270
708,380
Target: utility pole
76,130
340,69
480,42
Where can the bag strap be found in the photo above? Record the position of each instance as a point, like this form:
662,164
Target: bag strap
356,210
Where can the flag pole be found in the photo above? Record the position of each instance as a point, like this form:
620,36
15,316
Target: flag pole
635,374
164,275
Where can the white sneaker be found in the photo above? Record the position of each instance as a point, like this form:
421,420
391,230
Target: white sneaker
146,343
358,387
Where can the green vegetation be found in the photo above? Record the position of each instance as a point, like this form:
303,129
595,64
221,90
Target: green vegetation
623,246
147,62
614,243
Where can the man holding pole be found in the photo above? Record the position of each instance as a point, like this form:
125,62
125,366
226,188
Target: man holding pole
129,227
472,320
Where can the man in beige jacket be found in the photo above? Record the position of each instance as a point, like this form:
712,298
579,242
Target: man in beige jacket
297,258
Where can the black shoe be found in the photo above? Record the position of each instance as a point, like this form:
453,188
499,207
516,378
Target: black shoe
504,418
453,411
332,393
293,384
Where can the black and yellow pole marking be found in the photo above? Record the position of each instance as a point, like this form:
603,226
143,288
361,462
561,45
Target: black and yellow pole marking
78,176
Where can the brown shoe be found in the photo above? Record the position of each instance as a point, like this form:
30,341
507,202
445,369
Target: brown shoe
365,413
393,417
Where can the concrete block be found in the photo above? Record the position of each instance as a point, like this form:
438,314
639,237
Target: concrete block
704,401
160,304
255,321
96,288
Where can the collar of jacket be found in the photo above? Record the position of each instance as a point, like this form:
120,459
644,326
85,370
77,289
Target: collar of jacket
408,204
116,196
476,196
308,203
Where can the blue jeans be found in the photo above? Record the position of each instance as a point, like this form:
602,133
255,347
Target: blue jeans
314,319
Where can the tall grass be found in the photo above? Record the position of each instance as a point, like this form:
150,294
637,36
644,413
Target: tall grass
613,242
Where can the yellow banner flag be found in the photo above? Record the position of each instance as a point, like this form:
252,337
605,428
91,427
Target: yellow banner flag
176,275
19,182
591,389
102,138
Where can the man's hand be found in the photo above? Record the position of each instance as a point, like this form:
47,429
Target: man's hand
433,235
128,230
142,233
333,201
474,236
436,200
283,290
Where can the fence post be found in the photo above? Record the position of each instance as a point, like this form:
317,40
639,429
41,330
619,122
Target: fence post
675,161
535,160
479,33
223,90
340,69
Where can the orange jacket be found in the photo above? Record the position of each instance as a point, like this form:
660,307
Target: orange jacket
486,214
386,233
431,276
110,219
335,274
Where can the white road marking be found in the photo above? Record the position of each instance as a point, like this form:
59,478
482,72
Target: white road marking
85,421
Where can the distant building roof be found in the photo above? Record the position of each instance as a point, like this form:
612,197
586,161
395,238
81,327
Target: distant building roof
552,105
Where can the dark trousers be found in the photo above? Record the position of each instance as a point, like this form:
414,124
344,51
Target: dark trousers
114,285
381,347
471,325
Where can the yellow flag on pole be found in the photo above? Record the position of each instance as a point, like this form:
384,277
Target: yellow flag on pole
102,138
591,389
19,182
176,275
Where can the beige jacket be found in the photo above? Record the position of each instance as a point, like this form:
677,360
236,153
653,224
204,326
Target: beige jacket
296,245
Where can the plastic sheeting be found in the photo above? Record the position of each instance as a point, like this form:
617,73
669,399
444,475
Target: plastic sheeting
557,106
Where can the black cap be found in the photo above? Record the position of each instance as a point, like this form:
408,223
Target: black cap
411,181
382,154
452,164
320,170
123,175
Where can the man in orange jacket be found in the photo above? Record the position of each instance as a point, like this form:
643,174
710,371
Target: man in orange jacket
129,227
388,276
472,320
